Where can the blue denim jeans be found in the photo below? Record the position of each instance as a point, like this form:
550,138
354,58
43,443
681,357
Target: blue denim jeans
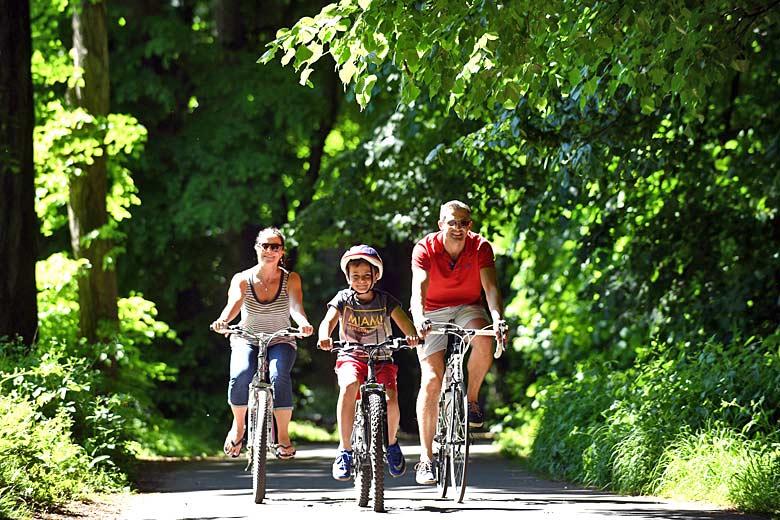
243,364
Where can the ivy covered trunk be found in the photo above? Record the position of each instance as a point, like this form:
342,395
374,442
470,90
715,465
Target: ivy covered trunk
87,211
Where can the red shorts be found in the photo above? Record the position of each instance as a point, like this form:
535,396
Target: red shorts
349,370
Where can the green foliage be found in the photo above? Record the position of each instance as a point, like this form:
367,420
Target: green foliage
107,387
75,415
305,430
756,486
623,161
651,428
42,467
57,279
480,55
721,466
67,138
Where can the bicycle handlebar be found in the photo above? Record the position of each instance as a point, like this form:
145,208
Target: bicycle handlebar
293,332
446,328
389,343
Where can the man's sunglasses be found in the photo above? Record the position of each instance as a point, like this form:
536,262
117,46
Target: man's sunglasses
459,223
273,247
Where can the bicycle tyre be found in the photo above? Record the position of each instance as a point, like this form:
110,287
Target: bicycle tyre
361,471
441,452
377,450
459,441
260,442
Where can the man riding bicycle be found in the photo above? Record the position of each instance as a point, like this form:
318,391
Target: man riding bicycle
450,270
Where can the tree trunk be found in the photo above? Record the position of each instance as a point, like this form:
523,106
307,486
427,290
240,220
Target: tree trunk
87,211
18,222
229,23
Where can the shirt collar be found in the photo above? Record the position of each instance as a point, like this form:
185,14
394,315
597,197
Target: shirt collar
438,242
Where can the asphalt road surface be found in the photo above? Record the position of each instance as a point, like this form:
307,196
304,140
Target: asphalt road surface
219,488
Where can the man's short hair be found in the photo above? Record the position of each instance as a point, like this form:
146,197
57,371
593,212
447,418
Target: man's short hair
453,204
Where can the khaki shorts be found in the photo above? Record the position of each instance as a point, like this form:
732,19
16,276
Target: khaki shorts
460,314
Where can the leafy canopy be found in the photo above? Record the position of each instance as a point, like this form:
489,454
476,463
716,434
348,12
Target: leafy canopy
484,54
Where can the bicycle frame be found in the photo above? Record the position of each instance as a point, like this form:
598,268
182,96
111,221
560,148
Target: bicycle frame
370,437
260,432
452,426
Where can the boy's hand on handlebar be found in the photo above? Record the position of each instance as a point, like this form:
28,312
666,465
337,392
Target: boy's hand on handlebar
325,343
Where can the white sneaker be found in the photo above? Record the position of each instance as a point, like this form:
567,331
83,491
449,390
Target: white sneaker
424,474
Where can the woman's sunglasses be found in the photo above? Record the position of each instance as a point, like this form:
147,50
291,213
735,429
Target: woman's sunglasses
273,247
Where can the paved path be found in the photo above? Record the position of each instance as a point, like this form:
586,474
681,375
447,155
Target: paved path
219,489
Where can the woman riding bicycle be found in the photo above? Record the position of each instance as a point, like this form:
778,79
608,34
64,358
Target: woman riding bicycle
266,295
364,314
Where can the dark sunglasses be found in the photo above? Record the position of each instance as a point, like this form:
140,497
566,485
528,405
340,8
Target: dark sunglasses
273,247
459,223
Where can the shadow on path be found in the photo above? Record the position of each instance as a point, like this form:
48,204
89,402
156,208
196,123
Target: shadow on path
496,485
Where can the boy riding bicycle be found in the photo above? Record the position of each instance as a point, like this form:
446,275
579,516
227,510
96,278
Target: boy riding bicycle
364,313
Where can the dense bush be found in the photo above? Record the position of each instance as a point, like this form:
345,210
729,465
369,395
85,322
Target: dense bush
649,428
75,415
42,466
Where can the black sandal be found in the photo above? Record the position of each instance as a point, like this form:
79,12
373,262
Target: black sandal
228,451
282,455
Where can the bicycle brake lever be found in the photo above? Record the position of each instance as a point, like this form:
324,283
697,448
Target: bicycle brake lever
500,341
400,343
499,349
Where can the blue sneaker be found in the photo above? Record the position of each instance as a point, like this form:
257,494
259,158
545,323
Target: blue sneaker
396,462
342,466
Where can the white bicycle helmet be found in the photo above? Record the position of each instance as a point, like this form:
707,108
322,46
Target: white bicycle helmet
362,252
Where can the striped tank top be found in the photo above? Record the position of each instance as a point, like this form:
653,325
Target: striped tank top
267,317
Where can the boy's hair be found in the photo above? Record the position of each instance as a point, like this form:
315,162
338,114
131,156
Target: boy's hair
358,261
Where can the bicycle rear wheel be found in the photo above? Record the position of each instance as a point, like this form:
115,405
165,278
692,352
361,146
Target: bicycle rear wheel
361,471
441,452
377,450
459,440
260,432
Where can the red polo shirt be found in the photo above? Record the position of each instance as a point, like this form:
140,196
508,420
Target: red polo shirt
451,283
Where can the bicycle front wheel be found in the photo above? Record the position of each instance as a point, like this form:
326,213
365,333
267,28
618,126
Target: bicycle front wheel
361,471
262,427
458,435
377,451
441,453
